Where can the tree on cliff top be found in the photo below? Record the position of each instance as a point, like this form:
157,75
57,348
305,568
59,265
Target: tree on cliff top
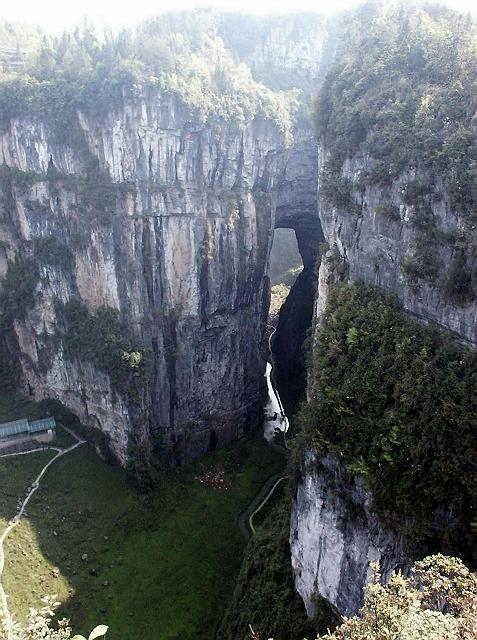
402,93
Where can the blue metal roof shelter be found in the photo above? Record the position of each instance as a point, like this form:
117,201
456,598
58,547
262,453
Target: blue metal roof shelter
19,427
42,425
8,429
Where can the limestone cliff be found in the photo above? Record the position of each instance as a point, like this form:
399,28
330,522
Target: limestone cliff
175,234
144,203
384,240
335,535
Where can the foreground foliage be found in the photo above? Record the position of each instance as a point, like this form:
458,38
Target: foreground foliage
396,401
437,602
40,626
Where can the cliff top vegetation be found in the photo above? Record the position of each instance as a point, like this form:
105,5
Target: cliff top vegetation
396,401
403,94
180,54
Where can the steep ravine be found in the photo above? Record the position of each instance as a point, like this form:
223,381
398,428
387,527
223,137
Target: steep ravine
143,207
167,219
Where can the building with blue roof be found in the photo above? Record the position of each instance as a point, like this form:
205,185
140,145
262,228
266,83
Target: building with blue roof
23,434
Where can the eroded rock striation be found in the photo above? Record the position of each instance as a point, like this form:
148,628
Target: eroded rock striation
173,230
381,239
335,535
143,206
386,240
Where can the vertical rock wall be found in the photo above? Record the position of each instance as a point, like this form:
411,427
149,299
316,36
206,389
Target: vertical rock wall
181,253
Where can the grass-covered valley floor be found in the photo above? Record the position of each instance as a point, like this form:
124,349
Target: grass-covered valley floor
156,565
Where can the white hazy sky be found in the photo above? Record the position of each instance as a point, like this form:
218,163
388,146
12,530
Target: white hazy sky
58,14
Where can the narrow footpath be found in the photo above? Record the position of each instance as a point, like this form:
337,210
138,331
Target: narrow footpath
7,619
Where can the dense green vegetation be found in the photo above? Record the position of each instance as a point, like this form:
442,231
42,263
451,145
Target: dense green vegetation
51,251
159,565
264,595
403,90
101,338
18,287
181,54
397,402
16,296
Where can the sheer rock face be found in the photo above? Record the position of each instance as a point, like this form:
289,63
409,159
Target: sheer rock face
373,247
183,259
334,536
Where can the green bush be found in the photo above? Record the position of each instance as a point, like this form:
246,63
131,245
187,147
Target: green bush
436,602
397,400
264,595
51,251
18,287
338,190
458,287
423,265
101,338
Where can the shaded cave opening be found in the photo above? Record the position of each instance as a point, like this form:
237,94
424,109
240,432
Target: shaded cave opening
293,271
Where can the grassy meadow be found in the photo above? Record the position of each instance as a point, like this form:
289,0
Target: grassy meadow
157,565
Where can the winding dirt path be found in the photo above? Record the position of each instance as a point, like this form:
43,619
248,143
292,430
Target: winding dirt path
264,501
14,521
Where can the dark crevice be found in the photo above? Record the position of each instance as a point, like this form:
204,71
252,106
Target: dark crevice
295,319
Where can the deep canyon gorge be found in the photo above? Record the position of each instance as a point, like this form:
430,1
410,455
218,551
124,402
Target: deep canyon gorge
135,240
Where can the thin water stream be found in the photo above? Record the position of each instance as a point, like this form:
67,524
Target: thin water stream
275,419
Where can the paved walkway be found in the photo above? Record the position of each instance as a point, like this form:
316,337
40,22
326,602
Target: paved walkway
13,523
245,519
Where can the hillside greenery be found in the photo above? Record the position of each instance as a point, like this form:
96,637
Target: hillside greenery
403,92
397,401
264,595
18,287
101,338
160,564
180,54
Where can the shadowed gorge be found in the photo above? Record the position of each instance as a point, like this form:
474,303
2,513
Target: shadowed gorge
238,266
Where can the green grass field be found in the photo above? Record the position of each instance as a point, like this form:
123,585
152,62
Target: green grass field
160,565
